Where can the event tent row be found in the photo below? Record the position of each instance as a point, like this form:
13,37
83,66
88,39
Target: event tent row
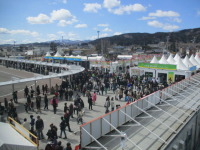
182,64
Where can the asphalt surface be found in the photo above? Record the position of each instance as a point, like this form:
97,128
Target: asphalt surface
47,115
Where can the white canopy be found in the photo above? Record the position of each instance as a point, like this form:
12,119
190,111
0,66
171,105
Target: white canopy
48,54
176,58
194,62
10,139
180,65
197,58
154,60
97,58
163,60
171,60
57,54
124,56
187,62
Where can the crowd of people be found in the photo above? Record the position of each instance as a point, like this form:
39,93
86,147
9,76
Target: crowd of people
89,84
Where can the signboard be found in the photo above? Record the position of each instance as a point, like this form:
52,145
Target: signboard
157,66
193,68
170,78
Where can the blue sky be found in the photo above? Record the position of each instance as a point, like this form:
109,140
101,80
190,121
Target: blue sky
25,21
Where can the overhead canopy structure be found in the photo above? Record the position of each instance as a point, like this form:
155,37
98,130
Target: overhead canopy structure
48,54
180,65
187,62
194,62
124,56
197,58
57,54
171,60
163,60
10,139
154,60
176,58
97,58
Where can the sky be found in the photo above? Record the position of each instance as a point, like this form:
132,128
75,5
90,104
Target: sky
27,21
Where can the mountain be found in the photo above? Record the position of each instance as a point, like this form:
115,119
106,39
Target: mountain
184,36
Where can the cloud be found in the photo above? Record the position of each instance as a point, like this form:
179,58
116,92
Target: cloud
158,24
94,37
103,25
9,41
52,36
81,26
63,16
117,33
71,36
92,7
128,9
107,30
147,18
40,19
109,4
160,13
24,32
178,20
64,1
155,23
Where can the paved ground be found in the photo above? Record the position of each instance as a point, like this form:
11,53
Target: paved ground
49,117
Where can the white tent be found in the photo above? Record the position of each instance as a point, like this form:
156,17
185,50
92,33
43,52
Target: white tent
10,139
171,60
48,54
57,54
154,60
124,56
163,60
194,62
180,65
176,58
197,58
187,62
97,58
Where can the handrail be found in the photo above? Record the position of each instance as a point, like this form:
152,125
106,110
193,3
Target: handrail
28,138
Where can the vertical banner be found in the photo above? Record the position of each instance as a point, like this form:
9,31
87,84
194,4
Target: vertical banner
170,77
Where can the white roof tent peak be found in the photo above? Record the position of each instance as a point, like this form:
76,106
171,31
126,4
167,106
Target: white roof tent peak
180,65
48,54
163,60
176,58
57,54
171,60
194,62
197,58
154,60
187,62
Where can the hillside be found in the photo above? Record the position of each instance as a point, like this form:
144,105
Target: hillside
185,36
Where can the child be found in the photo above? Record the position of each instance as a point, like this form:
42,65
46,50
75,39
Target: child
80,117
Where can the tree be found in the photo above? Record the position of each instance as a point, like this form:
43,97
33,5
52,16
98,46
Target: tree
53,47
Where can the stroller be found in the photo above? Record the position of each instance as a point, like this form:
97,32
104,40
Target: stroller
80,117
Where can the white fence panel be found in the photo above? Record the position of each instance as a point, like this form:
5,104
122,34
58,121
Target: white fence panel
105,126
128,111
134,110
122,116
85,138
96,125
114,118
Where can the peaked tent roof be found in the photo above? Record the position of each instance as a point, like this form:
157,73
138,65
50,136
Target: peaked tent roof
197,58
187,62
180,65
163,60
176,58
48,54
57,54
194,62
171,60
154,60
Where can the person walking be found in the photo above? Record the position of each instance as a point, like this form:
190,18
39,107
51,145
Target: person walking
107,104
46,101
94,98
38,104
90,102
62,128
54,104
39,125
67,116
112,104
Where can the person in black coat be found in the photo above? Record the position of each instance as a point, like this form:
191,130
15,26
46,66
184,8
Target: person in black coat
90,102
62,128
46,101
